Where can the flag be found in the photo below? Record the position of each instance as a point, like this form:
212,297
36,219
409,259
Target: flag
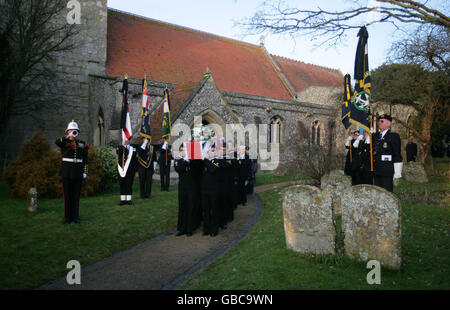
359,114
345,116
193,150
125,122
145,116
166,126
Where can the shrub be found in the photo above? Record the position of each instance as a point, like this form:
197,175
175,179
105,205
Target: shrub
38,166
107,154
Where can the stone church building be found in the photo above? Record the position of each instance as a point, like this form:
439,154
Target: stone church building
220,79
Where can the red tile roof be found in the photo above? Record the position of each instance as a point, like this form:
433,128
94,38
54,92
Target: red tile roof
179,55
302,75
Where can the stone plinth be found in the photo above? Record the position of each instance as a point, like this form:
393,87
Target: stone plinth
308,222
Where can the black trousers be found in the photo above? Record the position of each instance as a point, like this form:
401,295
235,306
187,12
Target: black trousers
126,183
145,181
187,211
366,177
165,177
211,212
385,182
71,193
242,192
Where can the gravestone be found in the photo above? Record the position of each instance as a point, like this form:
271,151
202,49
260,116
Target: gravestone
371,222
338,185
32,200
308,222
414,172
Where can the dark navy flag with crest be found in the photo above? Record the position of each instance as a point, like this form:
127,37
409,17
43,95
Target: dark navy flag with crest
345,116
359,114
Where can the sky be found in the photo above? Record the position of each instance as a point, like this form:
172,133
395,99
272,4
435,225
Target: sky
219,16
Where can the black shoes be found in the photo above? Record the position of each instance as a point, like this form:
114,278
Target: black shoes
180,233
122,202
213,234
131,203
77,221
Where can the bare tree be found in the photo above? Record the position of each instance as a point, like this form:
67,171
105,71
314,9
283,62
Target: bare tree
30,35
428,46
275,16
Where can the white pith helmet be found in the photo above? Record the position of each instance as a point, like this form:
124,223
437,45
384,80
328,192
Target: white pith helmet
72,126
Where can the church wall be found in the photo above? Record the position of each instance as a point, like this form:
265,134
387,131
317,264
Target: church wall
64,95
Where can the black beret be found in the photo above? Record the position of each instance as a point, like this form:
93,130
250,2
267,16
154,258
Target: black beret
385,116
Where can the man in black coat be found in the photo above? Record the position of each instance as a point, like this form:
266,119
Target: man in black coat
187,206
211,193
146,156
74,169
364,156
126,168
165,159
387,154
411,150
352,161
245,166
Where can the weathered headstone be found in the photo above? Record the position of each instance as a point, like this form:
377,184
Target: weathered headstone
338,185
308,222
372,226
32,200
414,172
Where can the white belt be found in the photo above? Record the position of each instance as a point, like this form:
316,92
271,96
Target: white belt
73,160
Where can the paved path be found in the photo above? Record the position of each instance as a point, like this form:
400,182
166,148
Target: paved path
167,261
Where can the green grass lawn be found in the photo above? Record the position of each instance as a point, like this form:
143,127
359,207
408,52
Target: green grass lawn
262,261
35,248
269,178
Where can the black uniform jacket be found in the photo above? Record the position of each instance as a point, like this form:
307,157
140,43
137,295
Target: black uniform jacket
162,156
186,179
386,152
74,157
211,171
122,156
146,157
355,163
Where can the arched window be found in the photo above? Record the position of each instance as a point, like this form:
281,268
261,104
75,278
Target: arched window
99,133
275,130
316,129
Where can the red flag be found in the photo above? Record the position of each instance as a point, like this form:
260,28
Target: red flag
193,150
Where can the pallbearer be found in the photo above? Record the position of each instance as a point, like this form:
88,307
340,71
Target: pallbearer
210,193
74,169
187,211
244,174
224,179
